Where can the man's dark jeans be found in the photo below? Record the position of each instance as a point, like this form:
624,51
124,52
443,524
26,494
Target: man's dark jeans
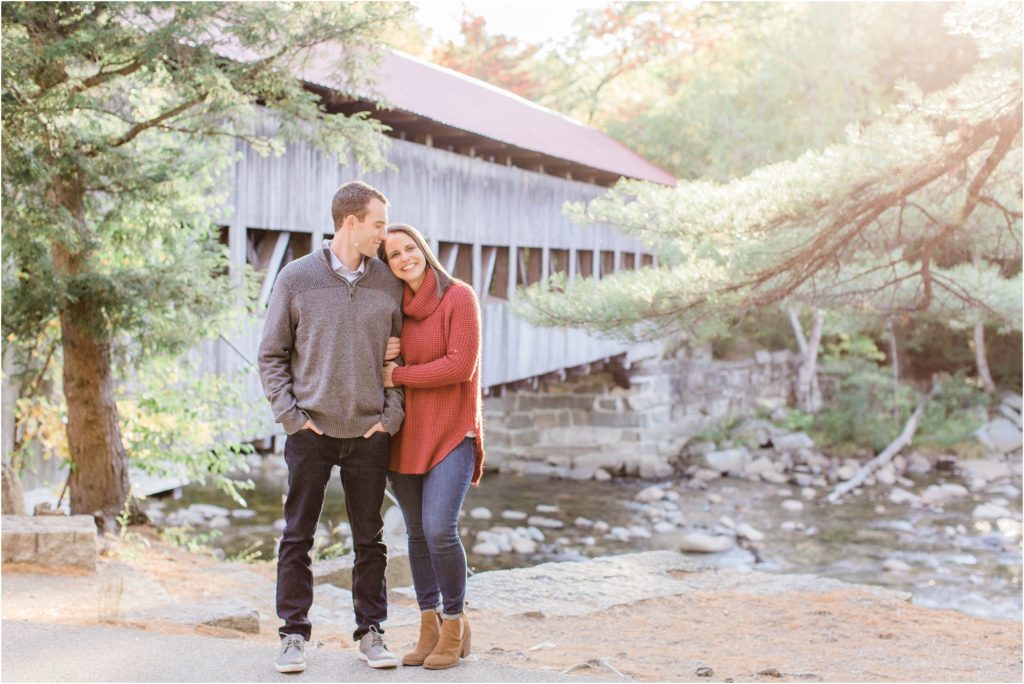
364,466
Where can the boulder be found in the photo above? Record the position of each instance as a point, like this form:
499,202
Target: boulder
1001,436
794,441
726,460
984,469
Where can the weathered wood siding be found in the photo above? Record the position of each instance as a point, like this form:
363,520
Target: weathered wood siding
452,198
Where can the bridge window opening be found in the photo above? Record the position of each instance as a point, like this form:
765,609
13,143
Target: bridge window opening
457,259
300,245
559,261
607,262
530,265
495,265
646,260
584,264
628,261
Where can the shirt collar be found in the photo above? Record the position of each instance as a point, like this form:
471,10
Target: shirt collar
337,264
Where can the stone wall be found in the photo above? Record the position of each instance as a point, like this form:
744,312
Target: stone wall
590,427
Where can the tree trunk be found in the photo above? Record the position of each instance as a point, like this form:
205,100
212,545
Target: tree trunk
99,479
808,393
99,463
13,496
895,359
981,357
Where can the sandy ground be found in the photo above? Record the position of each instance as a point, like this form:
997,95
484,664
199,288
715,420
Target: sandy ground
848,635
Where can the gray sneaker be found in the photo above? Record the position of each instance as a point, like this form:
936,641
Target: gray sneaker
374,652
293,654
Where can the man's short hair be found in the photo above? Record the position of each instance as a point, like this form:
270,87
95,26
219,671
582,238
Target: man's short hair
352,199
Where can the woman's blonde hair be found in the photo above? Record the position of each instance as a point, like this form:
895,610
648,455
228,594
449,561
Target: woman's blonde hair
442,278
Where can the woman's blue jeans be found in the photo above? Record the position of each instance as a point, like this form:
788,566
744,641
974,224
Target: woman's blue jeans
430,504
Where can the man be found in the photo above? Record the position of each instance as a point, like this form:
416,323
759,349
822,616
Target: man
333,318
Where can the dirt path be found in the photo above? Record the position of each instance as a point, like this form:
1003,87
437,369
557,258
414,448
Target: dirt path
852,634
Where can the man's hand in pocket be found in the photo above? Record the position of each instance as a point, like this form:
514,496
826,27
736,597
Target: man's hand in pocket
310,426
376,428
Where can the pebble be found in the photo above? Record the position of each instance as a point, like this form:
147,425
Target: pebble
808,493
714,498
513,515
783,491
542,645
705,672
583,522
243,513
601,526
480,513
792,505
546,508
663,526
602,475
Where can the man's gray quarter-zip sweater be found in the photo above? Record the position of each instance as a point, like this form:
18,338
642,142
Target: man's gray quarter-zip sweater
322,351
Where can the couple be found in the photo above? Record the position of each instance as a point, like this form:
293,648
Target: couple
337,322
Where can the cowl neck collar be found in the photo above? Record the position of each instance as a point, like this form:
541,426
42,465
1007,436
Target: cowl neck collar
425,301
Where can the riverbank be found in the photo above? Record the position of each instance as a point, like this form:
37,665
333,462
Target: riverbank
650,616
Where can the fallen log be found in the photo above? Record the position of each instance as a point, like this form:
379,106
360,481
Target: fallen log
890,451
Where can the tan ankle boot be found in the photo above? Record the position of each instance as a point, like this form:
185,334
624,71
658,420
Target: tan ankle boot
430,630
451,645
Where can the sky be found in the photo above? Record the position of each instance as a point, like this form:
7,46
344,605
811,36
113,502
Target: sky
528,21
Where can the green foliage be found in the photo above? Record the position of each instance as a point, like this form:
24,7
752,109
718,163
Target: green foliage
953,414
917,210
718,432
121,123
250,554
184,537
323,551
768,328
864,410
796,421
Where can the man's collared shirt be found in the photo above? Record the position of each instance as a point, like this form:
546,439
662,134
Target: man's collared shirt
343,270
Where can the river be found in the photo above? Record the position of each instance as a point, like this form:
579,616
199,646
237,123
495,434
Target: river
951,560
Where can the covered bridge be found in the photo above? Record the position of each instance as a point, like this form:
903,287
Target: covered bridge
483,173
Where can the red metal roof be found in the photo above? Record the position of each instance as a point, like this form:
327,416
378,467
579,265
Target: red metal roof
469,104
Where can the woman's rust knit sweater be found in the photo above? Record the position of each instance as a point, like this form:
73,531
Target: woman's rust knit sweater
441,348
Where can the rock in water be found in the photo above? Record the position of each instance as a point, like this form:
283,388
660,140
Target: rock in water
991,511
747,532
700,542
650,494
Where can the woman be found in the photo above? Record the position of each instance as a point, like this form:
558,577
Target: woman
439,451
